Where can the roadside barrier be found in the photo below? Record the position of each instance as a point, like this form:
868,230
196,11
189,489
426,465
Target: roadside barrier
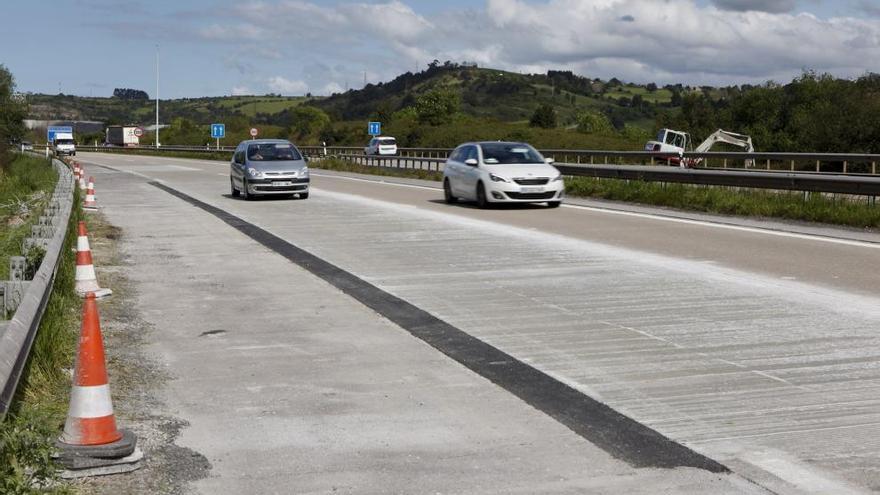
91,443
86,280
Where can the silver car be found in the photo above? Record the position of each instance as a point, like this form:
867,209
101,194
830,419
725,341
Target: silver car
268,167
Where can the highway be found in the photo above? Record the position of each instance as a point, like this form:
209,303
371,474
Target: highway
751,343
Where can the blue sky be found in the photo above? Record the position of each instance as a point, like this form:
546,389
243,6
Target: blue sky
207,48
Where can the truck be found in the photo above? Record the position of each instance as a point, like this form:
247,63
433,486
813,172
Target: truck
63,144
122,135
671,145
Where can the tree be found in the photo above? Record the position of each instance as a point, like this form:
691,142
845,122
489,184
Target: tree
306,120
12,114
651,87
437,106
130,94
544,117
594,123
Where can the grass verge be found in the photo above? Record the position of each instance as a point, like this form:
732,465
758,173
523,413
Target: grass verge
29,430
25,187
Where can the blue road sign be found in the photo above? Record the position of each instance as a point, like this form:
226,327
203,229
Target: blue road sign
55,129
218,131
375,128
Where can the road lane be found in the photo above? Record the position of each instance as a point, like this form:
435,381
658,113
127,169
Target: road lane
774,377
289,386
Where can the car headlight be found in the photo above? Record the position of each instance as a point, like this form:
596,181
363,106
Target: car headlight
558,178
304,172
496,178
256,174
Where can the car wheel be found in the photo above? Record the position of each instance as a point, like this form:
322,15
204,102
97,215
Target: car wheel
244,191
303,195
554,204
447,193
482,201
235,192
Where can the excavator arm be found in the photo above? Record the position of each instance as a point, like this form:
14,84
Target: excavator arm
732,138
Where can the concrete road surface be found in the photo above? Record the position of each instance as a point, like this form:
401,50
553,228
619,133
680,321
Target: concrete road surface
756,347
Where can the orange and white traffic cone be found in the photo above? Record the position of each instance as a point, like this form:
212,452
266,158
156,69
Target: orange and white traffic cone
82,179
90,419
90,203
86,281
91,443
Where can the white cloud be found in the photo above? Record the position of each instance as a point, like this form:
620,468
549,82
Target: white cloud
241,90
284,86
724,42
330,88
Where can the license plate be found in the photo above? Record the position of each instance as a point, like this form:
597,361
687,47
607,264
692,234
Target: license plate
282,183
532,190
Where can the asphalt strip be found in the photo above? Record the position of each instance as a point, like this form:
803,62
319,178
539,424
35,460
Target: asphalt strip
617,434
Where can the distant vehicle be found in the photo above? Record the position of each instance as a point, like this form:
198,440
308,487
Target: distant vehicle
268,167
501,172
382,145
63,144
672,144
27,146
121,135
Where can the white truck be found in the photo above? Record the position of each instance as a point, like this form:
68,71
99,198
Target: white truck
122,135
63,144
671,145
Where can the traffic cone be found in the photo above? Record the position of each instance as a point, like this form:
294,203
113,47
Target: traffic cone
91,444
90,203
90,419
82,180
86,281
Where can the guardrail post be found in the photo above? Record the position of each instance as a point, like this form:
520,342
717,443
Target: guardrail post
844,166
874,168
792,165
768,164
817,165
606,159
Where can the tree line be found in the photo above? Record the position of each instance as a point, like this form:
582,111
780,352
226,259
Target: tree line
12,114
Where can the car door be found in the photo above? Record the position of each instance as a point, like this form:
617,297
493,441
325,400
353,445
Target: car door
237,166
452,170
470,174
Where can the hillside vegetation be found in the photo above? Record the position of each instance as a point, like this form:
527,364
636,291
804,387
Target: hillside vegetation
449,103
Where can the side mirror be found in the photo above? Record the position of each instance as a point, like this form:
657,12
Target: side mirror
471,162
549,161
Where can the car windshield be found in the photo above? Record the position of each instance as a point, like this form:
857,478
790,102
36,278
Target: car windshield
501,153
64,141
272,152
387,141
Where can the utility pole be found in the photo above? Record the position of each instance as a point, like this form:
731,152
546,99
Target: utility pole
365,79
157,95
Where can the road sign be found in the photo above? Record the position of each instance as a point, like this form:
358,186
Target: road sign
139,131
55,129
254,132
218,131
375,128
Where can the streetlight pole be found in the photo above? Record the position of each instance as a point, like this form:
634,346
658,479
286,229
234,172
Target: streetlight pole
157,95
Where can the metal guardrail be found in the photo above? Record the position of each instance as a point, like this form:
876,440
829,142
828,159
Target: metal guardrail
18,337
845,163
788,179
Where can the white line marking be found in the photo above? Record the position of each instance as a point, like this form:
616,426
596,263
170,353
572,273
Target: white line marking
701,223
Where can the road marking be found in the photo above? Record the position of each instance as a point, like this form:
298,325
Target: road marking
617,434
664,218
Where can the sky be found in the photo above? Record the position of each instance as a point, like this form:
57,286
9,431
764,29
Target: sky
293,47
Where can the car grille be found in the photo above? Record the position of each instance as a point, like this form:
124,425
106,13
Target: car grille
532,196
537,181
275,174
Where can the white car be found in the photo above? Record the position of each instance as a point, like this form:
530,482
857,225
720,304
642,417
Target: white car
501,172
382,145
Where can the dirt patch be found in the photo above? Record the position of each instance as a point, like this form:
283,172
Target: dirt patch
135,379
